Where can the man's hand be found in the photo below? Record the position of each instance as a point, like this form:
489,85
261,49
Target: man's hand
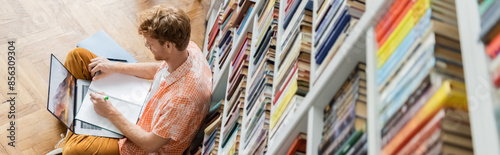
102,64
101,106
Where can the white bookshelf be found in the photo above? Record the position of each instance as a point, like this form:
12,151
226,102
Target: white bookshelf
213,7
480,94
360,46
221,78
373,129
336,72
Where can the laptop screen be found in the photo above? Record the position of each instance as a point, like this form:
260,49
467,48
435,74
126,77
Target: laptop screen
61,99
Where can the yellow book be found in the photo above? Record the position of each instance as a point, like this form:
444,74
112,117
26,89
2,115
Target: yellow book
233,149
397,36
451,94
284,103
214,125
270,5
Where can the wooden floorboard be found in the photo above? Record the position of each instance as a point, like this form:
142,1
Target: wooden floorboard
44,27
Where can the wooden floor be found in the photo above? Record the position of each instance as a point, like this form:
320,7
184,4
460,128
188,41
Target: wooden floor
43,27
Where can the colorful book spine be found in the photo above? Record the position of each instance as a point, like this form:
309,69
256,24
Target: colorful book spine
409,21
451,94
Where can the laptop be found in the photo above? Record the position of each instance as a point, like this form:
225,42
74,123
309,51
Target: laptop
65,97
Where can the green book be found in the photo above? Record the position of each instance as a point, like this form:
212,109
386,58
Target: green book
349,143
484,6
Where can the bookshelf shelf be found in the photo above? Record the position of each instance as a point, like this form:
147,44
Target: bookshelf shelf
479,86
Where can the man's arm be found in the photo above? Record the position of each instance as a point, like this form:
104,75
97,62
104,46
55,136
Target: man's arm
147,141
141,70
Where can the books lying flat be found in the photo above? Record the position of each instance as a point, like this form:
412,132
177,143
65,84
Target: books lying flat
451,94
345,116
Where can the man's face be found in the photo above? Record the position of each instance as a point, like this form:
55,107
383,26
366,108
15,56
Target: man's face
160,52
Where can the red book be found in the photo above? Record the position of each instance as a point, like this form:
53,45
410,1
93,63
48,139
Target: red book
424,134
392,19
213,34
496,78
288,4
494,47
242,48
299,145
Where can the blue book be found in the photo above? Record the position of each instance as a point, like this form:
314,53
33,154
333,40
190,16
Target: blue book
227,20
211,137
289,15
327,19
215,107
403,48
101,44
415,70
309,5
245,20
323,50
407,85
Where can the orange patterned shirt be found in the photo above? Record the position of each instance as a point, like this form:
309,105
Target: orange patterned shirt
177,108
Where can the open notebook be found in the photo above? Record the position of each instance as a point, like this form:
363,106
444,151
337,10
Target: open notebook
126,93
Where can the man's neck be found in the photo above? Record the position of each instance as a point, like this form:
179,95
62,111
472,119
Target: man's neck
177,61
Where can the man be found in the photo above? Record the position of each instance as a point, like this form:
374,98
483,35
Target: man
178,99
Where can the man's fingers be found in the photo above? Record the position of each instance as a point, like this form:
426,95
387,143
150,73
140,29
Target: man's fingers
91,65
99,76
96,59
95,69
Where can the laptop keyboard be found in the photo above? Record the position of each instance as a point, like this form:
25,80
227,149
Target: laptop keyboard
89,126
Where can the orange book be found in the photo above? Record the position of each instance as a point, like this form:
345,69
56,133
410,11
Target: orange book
390,19
427,131
299,145
451,94
393,26
494,47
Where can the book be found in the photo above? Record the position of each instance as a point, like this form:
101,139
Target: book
413,16
493,48
392,19
299,144
451,94
340,25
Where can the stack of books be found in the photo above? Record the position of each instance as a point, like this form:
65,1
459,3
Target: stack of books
233,16
235,96
345,117
336,19
260,84
292,80
490,35
419,77
212,130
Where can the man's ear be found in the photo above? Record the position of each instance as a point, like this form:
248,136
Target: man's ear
167,45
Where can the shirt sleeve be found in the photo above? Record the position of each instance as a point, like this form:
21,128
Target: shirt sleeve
178,119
